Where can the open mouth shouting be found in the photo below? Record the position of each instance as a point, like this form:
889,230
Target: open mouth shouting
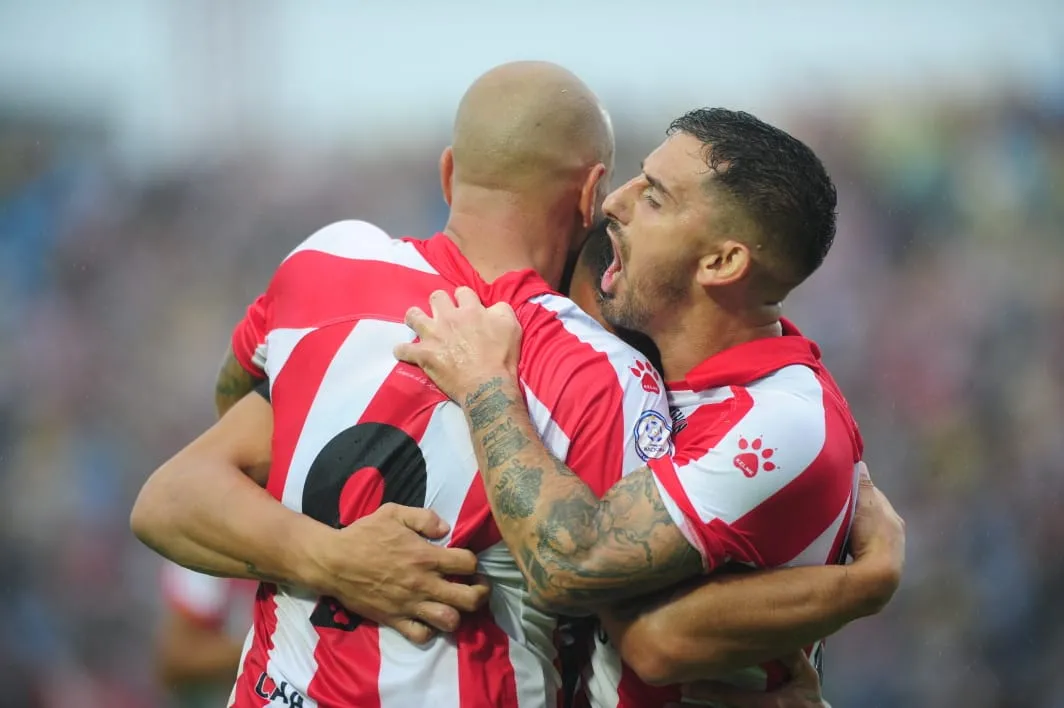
613,270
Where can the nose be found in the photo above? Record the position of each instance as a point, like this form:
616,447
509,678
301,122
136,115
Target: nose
618,202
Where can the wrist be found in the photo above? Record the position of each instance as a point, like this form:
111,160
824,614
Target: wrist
873,581
309,562
485,384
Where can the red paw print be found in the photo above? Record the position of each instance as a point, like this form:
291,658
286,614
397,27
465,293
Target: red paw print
750,463
647,376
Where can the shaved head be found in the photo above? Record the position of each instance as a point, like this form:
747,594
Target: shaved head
526,125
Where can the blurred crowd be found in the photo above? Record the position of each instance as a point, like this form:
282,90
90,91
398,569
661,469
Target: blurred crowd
940,309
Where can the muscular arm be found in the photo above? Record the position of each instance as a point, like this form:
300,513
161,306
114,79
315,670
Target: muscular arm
233,383
730,621
205,508
576,551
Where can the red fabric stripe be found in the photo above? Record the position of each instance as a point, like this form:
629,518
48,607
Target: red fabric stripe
485,673
708,425
596,451
345,289
258,655
249,333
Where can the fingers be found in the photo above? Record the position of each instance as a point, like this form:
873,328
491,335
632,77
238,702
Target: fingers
864,476
455,561
424,521
440,301
801,669
466,297
414,631
466,598
438,616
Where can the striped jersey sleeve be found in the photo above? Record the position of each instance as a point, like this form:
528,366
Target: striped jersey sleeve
249,337
763,482
599,403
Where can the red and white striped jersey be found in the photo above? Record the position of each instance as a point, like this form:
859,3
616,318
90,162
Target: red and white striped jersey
354,428
764,474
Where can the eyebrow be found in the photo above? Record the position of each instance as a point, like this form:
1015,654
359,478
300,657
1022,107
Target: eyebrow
655,182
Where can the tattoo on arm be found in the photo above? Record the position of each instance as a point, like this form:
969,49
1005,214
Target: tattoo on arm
232,384
575,549
252,571
264,577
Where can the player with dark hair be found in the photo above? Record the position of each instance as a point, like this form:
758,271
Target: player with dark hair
727,217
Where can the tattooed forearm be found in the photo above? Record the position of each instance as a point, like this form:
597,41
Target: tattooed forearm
502,442
518,489
574,549
232,384
486,404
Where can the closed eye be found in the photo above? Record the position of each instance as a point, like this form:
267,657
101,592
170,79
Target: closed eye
649,199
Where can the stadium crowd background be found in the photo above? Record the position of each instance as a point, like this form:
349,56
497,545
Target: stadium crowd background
940,309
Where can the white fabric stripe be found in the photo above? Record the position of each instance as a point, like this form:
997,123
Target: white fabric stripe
603,681
291,658
279,345
552,435
531,632
360,366
686,526
534,690
450,463
361,240
689,401
451,467
430,671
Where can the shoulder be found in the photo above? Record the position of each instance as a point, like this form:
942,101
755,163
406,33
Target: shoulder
565,340
776,424
353,239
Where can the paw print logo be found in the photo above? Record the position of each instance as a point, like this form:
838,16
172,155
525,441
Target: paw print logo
647,376
756,457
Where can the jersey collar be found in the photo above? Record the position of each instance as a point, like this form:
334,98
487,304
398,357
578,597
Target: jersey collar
751,361
515,287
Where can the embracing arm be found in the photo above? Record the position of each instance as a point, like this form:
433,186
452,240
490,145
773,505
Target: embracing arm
233,383
733,620
576,551
205,508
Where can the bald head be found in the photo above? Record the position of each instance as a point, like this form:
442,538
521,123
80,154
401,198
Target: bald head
529,124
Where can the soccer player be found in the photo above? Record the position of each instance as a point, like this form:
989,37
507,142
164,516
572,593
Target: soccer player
517,199
199,644
727,217
352,429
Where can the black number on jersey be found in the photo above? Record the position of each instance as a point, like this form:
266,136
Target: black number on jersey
361,449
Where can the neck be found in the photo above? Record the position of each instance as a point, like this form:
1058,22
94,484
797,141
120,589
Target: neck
500,233
707,328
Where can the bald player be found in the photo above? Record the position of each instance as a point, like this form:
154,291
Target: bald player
350,429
